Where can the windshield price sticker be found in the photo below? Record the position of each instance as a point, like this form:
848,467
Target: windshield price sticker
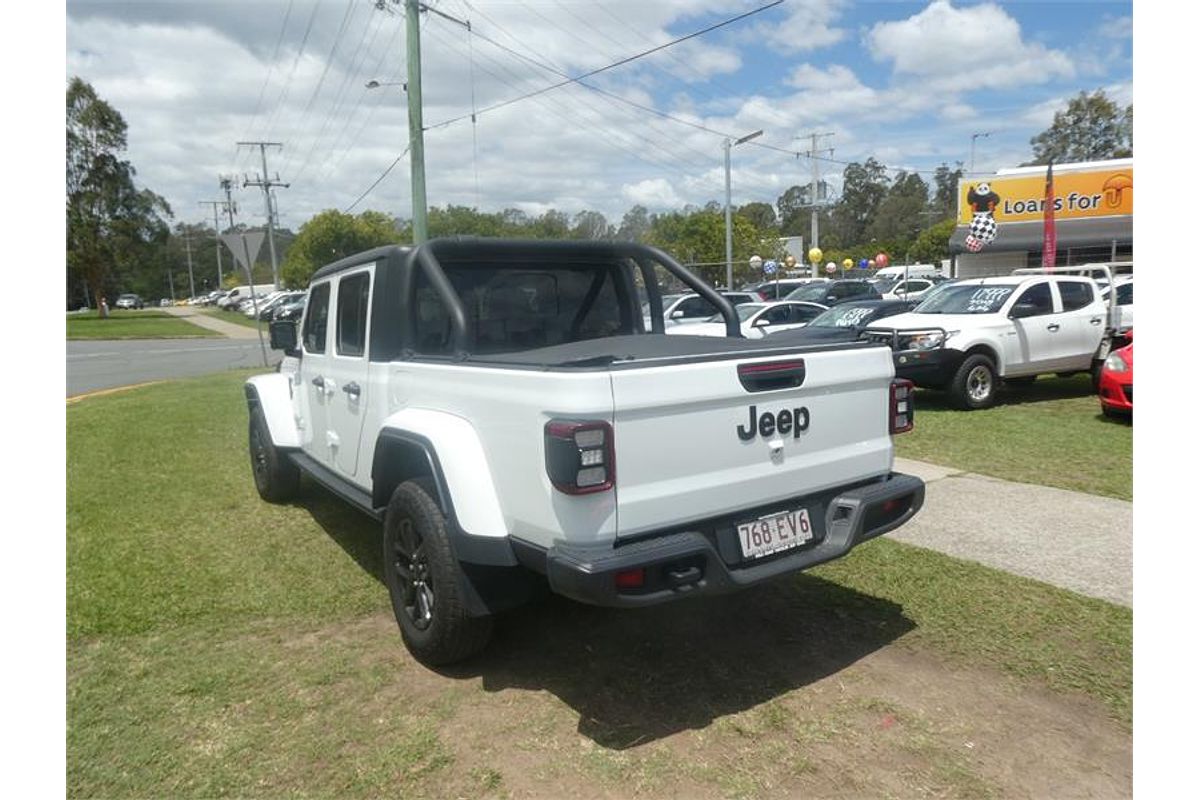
853,317
984,300
762,537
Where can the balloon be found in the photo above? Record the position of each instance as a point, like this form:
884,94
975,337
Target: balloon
848,263
862,263
814,255
756,262
831,268
790,261
882,259
871,264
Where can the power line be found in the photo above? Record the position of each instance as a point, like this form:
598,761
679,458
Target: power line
378,180
613,65
287,15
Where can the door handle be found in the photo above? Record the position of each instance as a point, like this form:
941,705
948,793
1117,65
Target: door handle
318,382
1053,326
1095,320
352,389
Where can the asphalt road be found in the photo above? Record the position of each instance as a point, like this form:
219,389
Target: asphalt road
93,365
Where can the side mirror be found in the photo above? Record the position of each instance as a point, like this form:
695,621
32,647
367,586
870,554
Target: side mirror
283,336
1023,310
677,314
762,322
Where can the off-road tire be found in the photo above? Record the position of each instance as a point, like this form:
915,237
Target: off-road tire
423,578
975,383
275,476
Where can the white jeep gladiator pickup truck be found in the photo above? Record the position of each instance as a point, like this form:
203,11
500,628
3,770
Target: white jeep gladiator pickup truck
500,408
972,334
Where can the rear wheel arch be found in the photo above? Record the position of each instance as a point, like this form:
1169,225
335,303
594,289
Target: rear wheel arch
402,456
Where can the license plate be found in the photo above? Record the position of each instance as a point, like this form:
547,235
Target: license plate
774,532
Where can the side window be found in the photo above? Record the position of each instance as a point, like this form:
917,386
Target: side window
696,307
779,315
317,319
805,313
353,294
1075,294
1039,297
1125,294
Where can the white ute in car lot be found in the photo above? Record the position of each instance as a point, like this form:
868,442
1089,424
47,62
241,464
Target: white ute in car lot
500,408
978,331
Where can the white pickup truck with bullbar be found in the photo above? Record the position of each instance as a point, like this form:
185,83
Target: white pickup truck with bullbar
500,407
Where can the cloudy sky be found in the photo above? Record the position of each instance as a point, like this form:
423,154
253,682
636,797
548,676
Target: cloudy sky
908,83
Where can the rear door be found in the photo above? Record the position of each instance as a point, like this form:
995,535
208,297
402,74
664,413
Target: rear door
1085,313
697,440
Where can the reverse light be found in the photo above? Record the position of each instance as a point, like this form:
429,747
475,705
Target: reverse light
579,455
900,408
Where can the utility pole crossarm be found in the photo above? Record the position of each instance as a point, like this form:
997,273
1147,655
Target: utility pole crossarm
266,183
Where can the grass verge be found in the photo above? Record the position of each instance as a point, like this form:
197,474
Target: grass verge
218,645
235,317
1050,432
133,325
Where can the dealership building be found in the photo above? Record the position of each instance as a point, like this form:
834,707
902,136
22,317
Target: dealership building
1093,217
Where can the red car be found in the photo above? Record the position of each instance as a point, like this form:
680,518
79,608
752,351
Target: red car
1116,382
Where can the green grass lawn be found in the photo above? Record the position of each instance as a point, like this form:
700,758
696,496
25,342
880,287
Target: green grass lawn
1050,432
236,317
122,324
219,645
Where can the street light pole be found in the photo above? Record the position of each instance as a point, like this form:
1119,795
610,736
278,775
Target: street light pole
729,145
975,136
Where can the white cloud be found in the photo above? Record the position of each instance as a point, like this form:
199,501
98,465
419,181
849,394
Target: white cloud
809,25
961,49
1116,27
957,112
654,193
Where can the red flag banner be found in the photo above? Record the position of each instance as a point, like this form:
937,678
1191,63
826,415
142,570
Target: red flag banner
1049,235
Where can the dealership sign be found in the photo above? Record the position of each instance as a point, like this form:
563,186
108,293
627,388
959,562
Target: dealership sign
1021,198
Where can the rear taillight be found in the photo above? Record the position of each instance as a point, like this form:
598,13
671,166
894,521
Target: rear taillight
900,409
579,456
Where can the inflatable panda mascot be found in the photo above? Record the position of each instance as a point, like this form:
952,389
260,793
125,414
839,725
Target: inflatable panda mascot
982,201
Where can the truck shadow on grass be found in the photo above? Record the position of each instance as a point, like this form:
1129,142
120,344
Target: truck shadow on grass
635,676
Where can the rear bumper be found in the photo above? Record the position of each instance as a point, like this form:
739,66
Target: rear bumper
706,556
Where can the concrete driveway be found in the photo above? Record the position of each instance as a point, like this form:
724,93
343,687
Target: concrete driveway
1077,541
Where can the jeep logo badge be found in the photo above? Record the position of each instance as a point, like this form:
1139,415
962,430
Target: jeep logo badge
793,421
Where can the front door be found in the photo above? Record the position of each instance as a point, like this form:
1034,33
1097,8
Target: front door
346,374
314,364
1037,336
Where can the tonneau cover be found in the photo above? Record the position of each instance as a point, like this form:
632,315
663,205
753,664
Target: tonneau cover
614,351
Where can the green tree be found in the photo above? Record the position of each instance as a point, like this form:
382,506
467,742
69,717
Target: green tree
590,225
932,245
898,216
1091,128
634,225
761,215
332,235
463,221
698,238
864,186
111,225
945,197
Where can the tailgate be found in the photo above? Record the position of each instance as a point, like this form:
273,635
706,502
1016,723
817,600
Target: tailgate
686,448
